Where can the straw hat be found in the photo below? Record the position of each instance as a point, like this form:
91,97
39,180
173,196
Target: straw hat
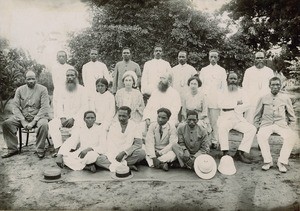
122,173
52,175
226,165
205,166
133,75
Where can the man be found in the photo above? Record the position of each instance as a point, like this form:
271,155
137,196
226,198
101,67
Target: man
255,83
160,138
58,72
213,79
234,102
124,143
153,69
274,114
82,149
121,67
165,96
91,71
30,109
181,74
192,141
71,104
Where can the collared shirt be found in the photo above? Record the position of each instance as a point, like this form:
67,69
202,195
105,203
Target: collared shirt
213,79
153,69
94,137
180,76
256,83
92,71
58,72
274,110
193,139
120,69
169,99
156,143
31,103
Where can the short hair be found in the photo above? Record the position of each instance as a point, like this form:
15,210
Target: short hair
231,72
95,49
125,108
75,71
166,111
126,48
191,112
61,51
158,46
214,51
89,112
194,78
102,81
274,79
183,51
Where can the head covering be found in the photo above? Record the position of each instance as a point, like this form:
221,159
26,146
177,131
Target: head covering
205,166
122,173
133,75
51,175
226,165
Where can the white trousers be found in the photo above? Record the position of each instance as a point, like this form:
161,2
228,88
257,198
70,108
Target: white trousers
213,114
229,121
76,163
289,139
165,158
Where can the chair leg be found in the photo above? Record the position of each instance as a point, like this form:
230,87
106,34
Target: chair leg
27,138
20,140
48,141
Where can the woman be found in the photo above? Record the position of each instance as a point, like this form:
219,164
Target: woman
195,100
104,104
130,97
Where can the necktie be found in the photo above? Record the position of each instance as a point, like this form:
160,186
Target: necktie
160,131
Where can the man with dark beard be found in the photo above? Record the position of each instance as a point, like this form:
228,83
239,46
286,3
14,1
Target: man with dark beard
31,109
233,103
71,105
167,97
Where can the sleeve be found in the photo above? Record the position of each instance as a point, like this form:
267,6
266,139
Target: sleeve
117,99
138,74
183,111
204,112
149,110
83,105
290,112
150,141
223,80
101,148
145,79
258,113
137,144
70,143
84,75
45,107
140,103
181,141
115,79
205,143
176,105
17,108
173,140
245,83
106,73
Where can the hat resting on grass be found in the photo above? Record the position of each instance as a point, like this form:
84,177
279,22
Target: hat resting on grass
205,166
52,175
122,173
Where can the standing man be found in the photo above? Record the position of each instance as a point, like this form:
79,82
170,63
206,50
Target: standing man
153,69
274,114
58,72
160,139
31,109
234,102
213,79
121,67
92,71
192,141
255,83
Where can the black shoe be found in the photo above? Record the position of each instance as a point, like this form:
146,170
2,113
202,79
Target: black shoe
133,168
40,154
214,146
164,166
240,157
10,154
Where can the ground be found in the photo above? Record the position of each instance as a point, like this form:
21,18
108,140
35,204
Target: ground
249,189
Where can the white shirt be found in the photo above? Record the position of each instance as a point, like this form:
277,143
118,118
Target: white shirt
153,69
169,99
92,71
256,83
180,76
58,72
213,79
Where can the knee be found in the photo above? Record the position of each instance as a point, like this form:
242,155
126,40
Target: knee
140,152
101,158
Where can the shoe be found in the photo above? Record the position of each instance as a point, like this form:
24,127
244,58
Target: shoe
281,167
164,166
156,162
133,168
91,168
40,154
10,154
240,157
267,166
214,146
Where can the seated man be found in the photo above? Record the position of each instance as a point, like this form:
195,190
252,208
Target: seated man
71,104
160,138
31,109
233,102
192,141
91,140
124,143
274,114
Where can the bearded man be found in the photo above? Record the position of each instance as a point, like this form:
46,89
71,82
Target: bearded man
165,97
31,109
71,105
233,103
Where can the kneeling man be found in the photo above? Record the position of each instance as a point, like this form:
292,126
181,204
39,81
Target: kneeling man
91,140
192,141
160,138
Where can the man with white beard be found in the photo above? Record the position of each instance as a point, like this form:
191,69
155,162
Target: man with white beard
71,105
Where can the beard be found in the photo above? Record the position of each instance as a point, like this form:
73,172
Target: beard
71,85
232,86
162,86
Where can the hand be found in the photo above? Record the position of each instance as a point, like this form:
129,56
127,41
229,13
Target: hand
147,122
69,123
186,155
157,154
120,156
59,161
63,121
31,125
240,102
24,124
83,153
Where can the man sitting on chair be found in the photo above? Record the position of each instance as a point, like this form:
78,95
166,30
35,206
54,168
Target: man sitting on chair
91,139
31,109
